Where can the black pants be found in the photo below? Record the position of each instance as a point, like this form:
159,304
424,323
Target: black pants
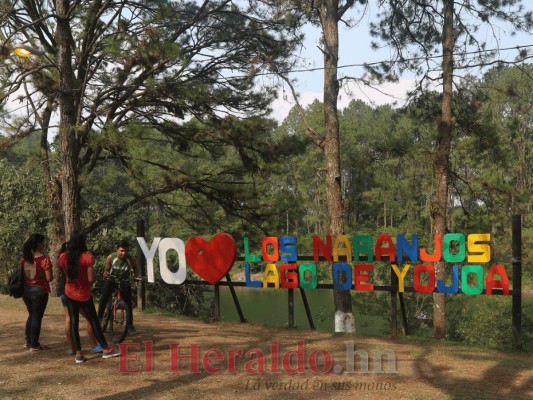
36,300
88,308
107,291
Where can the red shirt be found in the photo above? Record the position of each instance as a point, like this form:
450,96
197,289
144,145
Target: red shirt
42,264
80,289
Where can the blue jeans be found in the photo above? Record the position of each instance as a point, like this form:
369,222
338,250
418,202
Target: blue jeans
36,300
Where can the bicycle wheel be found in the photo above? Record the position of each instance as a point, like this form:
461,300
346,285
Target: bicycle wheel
108,315
119,325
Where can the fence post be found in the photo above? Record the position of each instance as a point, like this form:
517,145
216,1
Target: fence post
517,282
394,304
141,264
235,298
216,302
307,309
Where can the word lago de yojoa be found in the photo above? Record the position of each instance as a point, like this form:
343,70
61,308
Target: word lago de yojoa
450,248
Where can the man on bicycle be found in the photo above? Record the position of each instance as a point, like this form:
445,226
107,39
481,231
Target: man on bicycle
118,269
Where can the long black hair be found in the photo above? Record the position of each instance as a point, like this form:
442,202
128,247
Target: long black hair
76,245
30,245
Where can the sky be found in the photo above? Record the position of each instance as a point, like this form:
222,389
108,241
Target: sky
355,49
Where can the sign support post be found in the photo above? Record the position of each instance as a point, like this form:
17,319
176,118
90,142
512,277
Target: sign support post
517,282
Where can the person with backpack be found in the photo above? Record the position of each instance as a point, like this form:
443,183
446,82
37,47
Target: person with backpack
78,265
37,276
119,268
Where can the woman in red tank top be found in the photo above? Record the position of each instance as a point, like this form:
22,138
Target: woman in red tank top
78,265
37,275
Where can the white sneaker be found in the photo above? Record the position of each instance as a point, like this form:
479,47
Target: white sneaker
110,352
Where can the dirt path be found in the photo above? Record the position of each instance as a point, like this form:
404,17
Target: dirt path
238,361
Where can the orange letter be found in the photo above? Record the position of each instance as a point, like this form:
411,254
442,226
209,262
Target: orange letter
273,241
437,254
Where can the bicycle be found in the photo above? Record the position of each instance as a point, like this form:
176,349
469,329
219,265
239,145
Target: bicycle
117,316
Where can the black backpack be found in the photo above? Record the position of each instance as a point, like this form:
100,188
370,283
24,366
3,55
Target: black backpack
15,284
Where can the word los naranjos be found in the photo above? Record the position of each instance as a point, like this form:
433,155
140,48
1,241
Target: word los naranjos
211,260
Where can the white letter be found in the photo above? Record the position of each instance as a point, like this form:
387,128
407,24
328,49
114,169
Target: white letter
174,278
149,255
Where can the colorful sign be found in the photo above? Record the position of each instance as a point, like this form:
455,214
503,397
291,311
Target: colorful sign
352,261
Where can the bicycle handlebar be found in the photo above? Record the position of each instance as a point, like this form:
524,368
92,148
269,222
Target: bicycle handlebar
135,278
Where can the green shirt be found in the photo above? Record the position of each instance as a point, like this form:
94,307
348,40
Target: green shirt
121,269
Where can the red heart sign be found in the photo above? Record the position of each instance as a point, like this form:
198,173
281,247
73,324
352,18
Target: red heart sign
212,259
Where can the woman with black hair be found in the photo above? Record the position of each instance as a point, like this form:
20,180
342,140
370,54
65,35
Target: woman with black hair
37,275
78,265
96,348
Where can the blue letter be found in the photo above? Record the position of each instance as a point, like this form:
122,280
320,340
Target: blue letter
287,244
337,269
441,288
410,249
249,282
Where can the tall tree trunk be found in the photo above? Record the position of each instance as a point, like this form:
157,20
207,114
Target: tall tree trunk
53,191
65,191
344,321
68,141
441,162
